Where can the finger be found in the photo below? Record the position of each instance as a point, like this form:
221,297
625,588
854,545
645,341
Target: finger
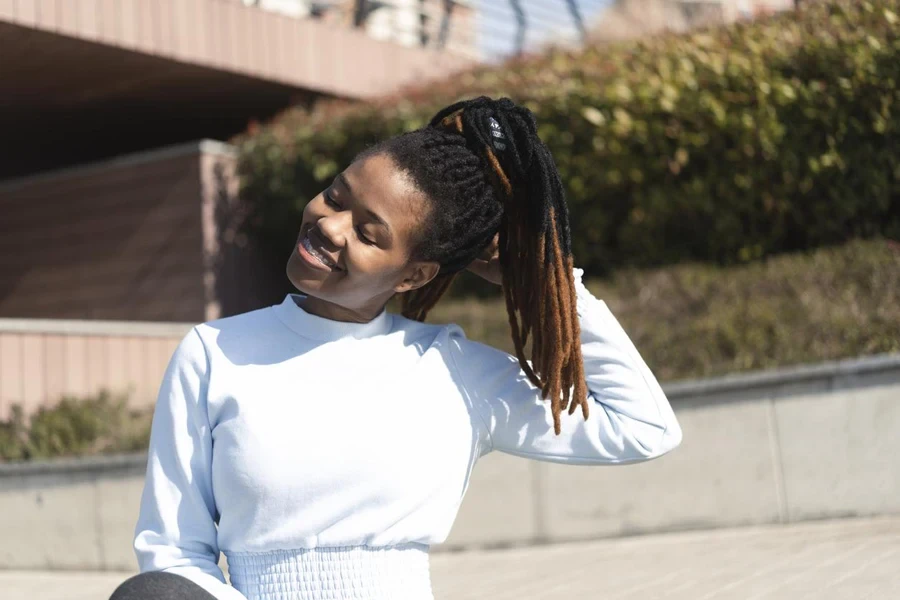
492,249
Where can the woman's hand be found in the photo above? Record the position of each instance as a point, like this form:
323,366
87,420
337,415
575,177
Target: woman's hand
487,265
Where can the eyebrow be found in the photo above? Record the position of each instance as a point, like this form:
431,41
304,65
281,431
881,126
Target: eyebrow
372,215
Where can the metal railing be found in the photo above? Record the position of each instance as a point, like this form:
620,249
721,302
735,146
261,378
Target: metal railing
487,29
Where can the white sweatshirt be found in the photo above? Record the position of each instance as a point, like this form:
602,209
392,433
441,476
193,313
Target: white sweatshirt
324,457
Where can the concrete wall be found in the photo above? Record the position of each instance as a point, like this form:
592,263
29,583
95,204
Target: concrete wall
149,236
806,443
43,360
788,445
70,514
119,239
152,236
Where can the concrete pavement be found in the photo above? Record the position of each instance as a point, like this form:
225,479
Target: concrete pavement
854,559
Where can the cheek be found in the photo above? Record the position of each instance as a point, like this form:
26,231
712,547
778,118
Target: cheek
374,264
376,270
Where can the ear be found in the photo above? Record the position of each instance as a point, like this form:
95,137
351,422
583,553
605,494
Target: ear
417,275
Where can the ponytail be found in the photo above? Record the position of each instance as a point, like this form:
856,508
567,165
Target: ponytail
534,244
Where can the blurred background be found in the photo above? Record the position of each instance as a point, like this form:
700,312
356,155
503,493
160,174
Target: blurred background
733,173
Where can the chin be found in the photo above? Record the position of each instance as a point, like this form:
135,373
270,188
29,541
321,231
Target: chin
301,278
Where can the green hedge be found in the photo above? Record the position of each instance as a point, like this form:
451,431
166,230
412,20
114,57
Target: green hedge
98,424
724,145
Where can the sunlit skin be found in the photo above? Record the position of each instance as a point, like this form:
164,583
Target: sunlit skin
366,222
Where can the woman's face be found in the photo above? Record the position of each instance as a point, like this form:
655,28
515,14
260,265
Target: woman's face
352,252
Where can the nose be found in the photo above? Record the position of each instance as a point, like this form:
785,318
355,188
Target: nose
333,227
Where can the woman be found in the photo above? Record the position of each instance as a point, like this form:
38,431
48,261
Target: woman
324,444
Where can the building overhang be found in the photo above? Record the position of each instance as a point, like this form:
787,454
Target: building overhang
89,79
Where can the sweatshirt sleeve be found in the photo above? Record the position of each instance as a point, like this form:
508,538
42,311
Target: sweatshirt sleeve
630,418
176,529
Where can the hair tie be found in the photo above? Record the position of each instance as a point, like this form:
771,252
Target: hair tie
497,136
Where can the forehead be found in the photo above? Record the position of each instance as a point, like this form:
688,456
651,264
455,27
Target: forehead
384,189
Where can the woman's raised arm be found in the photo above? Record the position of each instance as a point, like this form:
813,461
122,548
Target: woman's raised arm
630,418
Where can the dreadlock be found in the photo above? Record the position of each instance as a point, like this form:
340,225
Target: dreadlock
485,170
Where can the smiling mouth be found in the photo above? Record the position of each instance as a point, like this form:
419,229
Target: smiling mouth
317,254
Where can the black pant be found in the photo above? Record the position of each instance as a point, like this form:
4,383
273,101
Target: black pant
156,585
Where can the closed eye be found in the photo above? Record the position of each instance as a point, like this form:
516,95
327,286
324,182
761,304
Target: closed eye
363,238
330,201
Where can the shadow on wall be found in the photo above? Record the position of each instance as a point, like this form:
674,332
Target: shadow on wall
243,275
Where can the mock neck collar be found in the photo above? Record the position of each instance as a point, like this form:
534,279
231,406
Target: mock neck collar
325,330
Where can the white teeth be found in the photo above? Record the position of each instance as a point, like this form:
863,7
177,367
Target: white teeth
322,259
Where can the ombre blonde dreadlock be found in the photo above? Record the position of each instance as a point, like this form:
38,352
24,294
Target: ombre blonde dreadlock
483,166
